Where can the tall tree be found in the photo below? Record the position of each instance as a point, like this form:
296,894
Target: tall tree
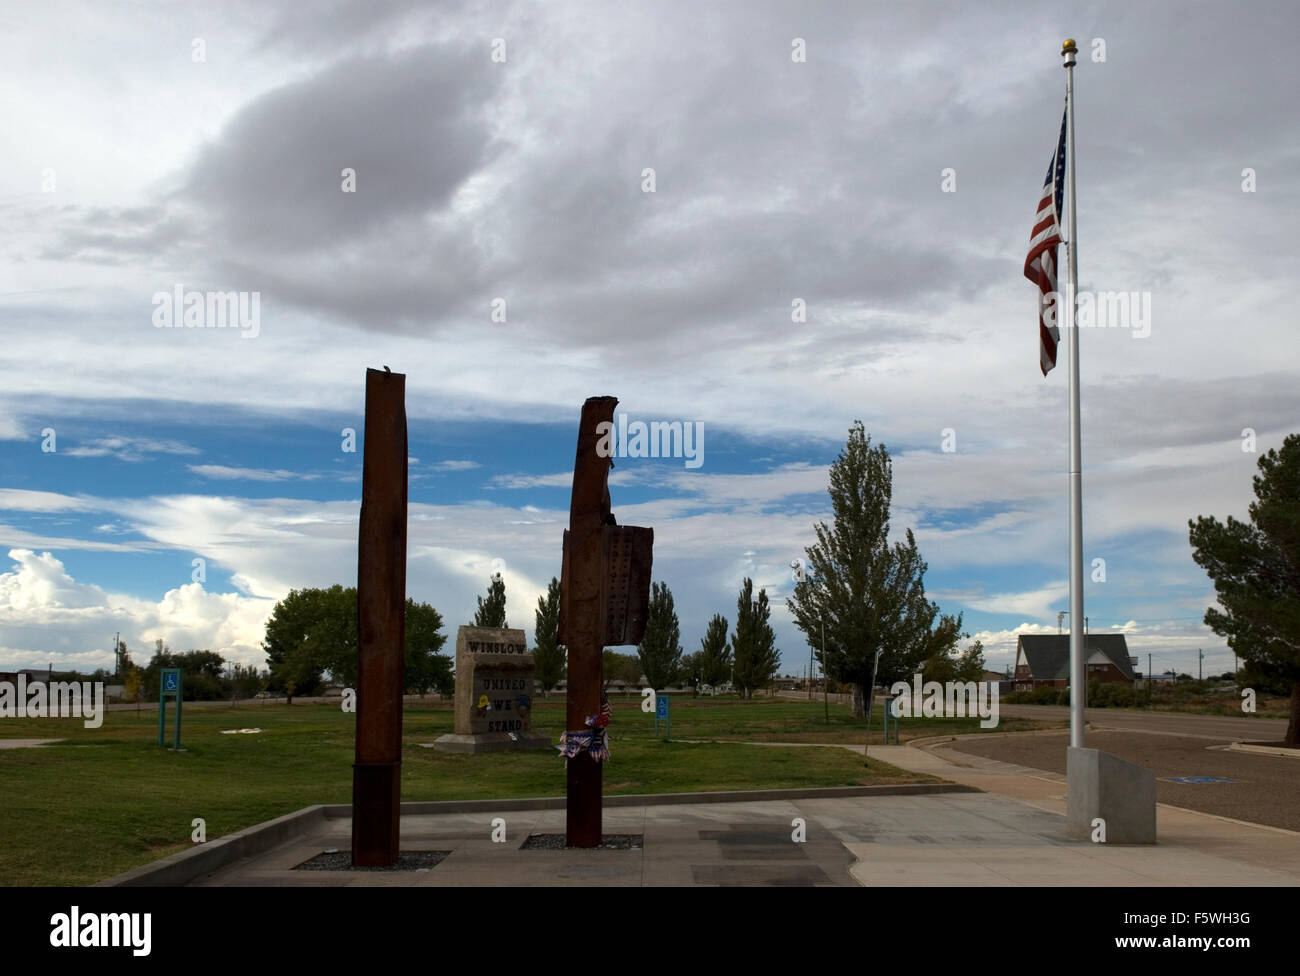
492,611
425,668
753,643
660,649
865,595
715,653
245,681
313,633
134,682
548,654
948,666
300,634
201,674
619,667
689,672
1255,566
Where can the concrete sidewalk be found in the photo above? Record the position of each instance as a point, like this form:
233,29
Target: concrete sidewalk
1012,834
1193,848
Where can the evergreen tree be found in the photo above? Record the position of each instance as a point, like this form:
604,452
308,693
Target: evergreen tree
753,643
865,595
1255,566
549,654
715,653
492,611
660,649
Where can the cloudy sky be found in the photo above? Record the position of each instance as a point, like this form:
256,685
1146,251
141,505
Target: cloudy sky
520,206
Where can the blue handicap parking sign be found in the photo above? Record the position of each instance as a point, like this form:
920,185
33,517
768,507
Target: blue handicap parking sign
170,682
661,706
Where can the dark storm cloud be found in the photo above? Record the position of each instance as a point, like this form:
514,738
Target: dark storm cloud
775,180
411,126
263,204
331,25
1137,412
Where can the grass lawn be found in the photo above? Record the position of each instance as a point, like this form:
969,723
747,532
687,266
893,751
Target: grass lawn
108,799
795,720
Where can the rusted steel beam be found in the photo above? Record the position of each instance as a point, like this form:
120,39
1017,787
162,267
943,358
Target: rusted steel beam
628,557
381,622
583,601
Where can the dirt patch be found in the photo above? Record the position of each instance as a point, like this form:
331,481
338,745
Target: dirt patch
26,743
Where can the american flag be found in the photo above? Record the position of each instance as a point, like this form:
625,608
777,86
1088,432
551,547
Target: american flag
1040,264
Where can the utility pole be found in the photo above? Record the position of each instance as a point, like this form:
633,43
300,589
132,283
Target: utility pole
826,685
1149,676
1200,664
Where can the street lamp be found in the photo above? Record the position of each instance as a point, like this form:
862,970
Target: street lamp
1062,614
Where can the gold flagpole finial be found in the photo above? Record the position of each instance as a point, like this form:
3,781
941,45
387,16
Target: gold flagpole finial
1068,50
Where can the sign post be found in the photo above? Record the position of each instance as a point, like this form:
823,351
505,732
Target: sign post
172,684
890,713
661,712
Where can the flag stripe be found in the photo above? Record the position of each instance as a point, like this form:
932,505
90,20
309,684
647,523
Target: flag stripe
1040,262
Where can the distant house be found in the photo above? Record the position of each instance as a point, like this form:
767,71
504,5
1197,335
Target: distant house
1044,660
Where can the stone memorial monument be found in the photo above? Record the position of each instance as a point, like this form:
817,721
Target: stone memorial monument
494,693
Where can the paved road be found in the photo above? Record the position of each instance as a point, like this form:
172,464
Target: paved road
1220,728
1264,789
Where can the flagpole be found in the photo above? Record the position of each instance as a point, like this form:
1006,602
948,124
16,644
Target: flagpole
1078,683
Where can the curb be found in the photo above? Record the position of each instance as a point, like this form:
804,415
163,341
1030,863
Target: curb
929,741
1262,750
984,764
185,866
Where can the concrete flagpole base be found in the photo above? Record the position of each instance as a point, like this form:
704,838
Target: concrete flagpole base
1119,793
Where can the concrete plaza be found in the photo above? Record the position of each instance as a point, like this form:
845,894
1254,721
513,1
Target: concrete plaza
1012,833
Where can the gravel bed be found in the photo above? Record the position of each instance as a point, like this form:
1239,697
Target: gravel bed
334,860
608,842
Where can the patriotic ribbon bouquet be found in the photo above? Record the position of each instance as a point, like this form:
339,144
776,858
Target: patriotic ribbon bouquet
594,739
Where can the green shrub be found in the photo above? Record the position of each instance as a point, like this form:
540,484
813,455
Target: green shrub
1112,695
1046,695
